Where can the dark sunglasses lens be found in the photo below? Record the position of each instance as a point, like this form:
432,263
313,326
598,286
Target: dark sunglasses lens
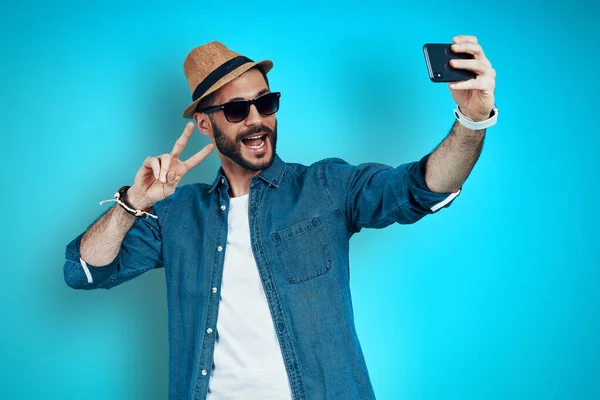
268,104
236,111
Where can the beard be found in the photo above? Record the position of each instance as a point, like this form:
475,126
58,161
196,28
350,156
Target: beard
232,148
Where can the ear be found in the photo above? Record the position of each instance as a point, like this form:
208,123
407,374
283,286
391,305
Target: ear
203,124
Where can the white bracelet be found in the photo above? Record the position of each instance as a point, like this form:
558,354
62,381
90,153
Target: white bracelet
469,123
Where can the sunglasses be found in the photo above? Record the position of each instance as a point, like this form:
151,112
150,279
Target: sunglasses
238,110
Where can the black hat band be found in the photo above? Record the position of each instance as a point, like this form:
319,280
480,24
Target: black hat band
217,74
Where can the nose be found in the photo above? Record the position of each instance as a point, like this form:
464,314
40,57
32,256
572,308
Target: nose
254,117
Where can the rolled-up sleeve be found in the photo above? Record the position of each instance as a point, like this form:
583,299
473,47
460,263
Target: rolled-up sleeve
375,195
140,251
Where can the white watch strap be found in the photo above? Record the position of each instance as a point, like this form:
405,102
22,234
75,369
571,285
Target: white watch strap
469,123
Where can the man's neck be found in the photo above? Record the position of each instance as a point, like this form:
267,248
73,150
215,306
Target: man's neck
238,177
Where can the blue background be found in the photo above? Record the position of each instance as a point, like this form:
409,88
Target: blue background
494,298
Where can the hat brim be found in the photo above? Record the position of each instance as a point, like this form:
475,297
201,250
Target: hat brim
265,64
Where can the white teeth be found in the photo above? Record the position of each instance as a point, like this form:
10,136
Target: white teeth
255,137
257,147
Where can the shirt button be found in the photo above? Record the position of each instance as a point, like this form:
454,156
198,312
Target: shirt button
209,331
219,248
222,180
214,290
204,372
223,207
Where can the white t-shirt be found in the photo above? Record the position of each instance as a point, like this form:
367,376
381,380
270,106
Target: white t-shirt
247,360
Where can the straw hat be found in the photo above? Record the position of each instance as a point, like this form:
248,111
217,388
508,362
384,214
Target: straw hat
210,66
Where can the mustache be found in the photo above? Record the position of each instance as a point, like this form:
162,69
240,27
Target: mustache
255,129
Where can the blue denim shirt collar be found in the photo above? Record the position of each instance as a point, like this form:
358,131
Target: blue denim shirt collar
272,175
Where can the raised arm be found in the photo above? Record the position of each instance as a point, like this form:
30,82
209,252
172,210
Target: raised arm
100,245
451,163
157,178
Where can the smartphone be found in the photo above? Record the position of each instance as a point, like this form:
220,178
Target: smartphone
438,56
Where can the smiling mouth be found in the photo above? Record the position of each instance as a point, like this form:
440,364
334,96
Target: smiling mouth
255,142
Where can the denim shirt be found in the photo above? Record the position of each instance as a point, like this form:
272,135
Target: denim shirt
301,219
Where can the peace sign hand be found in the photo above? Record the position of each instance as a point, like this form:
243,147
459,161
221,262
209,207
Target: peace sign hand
159,176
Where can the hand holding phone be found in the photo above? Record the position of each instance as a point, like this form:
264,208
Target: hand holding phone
438,56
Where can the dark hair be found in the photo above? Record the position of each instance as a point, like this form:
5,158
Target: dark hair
209,100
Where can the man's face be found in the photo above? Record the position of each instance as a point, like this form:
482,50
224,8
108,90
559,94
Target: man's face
232,139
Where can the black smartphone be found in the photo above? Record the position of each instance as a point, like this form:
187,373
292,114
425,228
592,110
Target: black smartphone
438,56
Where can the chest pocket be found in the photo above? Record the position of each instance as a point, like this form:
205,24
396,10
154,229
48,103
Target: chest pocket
302,250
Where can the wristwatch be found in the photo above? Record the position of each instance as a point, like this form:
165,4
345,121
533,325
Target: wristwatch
469,123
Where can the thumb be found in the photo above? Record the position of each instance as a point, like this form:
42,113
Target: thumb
172,177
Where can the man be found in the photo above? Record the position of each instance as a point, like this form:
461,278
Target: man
256,263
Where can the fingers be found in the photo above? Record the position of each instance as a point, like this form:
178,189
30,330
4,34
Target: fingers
464,39
182,141
159,165
477,66
155,167
482,67
471,48
486,75
198,157
165,163
479,83
153,164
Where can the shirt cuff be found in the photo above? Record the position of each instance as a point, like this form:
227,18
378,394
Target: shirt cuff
79,273
445,202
